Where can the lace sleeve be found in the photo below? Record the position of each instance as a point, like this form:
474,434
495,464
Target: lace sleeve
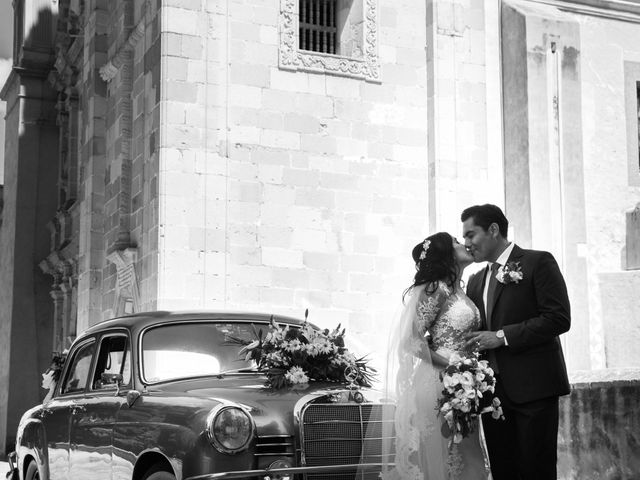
429,307
427,310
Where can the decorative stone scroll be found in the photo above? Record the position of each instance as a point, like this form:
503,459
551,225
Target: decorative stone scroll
291,58
110,69
127,298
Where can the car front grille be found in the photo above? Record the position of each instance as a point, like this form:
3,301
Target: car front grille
342,434
275,446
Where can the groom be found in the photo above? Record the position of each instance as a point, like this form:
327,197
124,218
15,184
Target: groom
524,306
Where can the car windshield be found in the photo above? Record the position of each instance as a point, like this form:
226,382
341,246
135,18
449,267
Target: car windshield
186,350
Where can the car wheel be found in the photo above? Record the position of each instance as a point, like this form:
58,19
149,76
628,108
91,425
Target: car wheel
32,471
159,475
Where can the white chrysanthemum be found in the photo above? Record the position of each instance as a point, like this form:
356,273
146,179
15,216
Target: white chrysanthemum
296,375
292,346
276,358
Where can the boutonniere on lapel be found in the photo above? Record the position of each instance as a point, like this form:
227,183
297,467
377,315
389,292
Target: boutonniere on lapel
511,272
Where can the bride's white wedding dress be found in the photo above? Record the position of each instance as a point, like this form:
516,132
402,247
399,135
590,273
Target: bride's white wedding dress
421,450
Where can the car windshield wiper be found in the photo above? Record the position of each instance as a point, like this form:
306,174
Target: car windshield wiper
239,370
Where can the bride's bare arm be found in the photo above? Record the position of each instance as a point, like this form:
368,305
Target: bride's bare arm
438,360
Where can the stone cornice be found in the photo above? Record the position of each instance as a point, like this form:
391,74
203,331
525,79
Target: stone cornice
624,10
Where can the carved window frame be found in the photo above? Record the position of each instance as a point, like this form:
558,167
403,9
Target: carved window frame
292,58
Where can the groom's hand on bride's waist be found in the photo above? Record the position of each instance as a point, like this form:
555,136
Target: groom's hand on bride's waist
482,340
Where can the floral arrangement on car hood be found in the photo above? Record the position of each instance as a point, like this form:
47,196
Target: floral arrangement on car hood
297,355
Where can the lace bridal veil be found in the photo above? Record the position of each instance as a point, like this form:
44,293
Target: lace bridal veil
412,383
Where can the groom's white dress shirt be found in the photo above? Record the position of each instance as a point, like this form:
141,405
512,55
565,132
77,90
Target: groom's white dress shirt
502,260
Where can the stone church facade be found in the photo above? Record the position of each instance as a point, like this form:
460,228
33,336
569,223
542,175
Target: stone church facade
277,155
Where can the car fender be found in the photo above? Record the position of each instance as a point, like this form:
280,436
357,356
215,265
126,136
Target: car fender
150,457
32,443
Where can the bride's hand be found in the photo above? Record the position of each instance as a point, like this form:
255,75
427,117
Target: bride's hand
438,360
482,340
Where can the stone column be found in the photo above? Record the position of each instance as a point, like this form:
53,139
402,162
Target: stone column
544,182
29,197
91,255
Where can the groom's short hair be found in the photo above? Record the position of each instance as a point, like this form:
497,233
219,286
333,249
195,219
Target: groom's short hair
485,215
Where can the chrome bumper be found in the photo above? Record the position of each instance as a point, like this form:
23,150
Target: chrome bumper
266,474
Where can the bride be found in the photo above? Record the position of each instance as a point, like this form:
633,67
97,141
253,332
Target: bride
435,318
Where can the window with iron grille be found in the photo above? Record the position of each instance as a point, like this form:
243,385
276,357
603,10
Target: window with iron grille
338,37
318,22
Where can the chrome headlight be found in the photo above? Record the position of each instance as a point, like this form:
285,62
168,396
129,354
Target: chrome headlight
230,428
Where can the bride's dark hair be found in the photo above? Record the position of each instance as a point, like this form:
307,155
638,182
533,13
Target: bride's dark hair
437,262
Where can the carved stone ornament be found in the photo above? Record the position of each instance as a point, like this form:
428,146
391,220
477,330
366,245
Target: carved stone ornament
291,58
127,283
110,69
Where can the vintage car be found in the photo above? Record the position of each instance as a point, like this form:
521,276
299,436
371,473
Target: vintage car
161,396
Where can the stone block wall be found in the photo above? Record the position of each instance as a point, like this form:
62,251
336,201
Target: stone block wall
132,123
599,432
282,190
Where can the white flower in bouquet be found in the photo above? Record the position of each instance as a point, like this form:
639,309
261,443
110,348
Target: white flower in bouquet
467,379
311,349
472,393
497,409
276,358
296,375
451,381
292,346
455,359
323,346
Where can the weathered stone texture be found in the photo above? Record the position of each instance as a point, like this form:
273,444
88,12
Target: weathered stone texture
292,182
599,429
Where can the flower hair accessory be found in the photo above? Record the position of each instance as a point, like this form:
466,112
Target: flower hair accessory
425,247
511,272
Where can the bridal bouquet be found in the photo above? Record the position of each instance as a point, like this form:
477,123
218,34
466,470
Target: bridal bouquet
469,384
296,356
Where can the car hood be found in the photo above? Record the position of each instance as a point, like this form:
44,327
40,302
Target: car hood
272,410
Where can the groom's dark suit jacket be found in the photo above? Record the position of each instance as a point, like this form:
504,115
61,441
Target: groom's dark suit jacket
532,313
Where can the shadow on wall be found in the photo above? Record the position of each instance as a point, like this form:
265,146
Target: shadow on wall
29,202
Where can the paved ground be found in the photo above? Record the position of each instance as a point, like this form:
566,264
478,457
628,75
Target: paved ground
4,468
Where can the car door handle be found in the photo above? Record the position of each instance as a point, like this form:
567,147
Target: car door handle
78,408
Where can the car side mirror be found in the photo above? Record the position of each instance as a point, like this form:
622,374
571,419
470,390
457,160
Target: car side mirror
112,378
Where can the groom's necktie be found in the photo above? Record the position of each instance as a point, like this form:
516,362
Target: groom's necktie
491,293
